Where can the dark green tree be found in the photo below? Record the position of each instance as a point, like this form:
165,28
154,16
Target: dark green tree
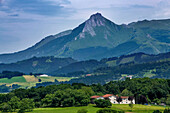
14,103
26,104
102,103
5,107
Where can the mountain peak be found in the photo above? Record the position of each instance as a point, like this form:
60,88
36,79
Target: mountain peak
96,15
94,20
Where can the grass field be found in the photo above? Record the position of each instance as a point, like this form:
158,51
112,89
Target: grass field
28,81
52,79
91,109
12,80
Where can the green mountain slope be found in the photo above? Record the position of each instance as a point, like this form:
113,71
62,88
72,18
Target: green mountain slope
90,65
37,65
99,38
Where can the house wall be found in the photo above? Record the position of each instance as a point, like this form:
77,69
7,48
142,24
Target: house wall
100,98
124,101
113,100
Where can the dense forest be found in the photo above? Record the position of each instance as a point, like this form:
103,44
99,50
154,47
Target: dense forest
10,74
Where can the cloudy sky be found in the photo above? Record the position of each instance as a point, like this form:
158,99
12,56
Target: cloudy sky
25,22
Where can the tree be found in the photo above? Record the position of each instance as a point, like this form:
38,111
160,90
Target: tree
50,100
156,100
39,80
102,103
126,92
68,102
143,99
5,107
26,104
130,98
82,111
131,105
168,100
119,99
14,103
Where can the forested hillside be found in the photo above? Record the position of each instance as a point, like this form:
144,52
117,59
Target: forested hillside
37,65
106,74
90,65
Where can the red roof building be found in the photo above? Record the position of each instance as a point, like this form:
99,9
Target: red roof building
107,95
94,97
124,97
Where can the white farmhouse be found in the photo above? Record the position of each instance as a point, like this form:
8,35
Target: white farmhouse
113,99
44,75
126,101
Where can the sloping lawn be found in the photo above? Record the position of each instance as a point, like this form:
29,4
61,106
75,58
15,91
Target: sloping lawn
91,109
138,108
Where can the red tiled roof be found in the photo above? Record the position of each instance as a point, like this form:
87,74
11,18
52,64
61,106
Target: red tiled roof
95,96
88,75
107,95
123,97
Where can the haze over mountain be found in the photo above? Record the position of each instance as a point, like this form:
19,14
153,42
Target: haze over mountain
98,38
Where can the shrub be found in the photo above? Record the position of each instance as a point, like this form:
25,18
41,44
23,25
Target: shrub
131,105
167,111
102,103
107,111
21,111
157,111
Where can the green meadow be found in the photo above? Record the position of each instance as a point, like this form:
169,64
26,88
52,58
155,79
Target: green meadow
12,80
92,109
30,81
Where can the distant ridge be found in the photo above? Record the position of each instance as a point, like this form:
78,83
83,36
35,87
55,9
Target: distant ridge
56,66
